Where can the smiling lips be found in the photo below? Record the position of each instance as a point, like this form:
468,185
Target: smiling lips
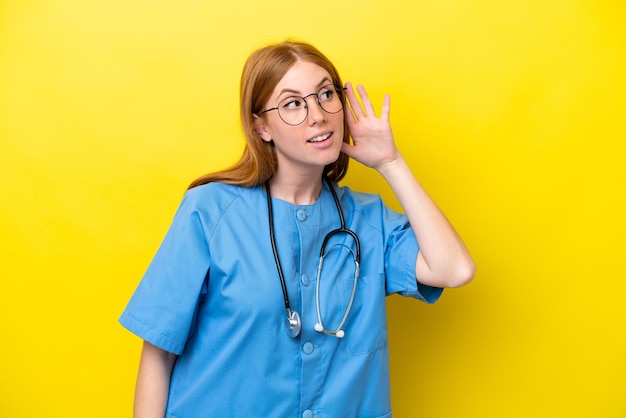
320,138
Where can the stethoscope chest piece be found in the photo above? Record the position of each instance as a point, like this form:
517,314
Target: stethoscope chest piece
294,324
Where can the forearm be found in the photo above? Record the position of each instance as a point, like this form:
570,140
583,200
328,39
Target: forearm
153,380
443,260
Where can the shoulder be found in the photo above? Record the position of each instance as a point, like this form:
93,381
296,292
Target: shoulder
371,208
358,200
212,191
216,197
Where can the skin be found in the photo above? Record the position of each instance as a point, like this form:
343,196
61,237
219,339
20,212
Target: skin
153,382
443,259
301,162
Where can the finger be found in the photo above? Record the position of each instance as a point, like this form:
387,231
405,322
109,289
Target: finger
355,105
350,119
348,113
386,107
367,103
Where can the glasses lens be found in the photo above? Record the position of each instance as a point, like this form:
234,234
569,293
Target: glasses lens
292,110
329,99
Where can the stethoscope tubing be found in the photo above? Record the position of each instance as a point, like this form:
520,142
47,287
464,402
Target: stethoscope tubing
294,323
275,251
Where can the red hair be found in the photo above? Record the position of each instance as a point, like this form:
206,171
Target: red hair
262,72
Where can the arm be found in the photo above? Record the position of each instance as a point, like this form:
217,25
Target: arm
153,382
443,259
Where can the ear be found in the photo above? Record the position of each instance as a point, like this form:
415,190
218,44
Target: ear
260,128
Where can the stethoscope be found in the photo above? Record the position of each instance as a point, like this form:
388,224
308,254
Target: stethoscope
294,323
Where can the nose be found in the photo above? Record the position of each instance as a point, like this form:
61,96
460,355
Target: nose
316,114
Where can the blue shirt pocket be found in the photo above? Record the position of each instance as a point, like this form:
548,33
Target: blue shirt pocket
366,325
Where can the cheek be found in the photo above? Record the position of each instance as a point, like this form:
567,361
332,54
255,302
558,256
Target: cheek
279,130
339,124
285,136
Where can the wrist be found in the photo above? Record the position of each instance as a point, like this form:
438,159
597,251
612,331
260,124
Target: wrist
388,167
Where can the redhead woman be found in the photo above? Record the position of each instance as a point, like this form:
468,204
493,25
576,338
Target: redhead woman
266,297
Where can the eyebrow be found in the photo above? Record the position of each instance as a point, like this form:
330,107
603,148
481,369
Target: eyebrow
292,91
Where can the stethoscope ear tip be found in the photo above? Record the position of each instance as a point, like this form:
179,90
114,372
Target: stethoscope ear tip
294,324
320,328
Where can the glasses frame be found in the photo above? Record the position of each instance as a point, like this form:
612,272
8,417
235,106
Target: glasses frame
339,90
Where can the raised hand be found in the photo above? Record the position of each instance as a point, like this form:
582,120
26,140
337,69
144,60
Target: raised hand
443,259
373,143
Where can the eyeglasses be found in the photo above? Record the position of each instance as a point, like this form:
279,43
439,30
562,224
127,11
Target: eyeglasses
293,110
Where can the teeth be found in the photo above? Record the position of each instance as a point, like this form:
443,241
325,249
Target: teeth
320,138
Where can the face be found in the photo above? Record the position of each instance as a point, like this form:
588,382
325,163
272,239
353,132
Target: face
314,143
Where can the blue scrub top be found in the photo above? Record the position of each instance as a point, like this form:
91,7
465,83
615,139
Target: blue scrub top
212,295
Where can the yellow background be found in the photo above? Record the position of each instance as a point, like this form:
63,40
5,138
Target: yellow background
511,113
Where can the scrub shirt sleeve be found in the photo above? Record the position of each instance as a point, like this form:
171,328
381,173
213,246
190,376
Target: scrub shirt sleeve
163,308
401,249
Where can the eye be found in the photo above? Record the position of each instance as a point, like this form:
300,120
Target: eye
292,103
326,94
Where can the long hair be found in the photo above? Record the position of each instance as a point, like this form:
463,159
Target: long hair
261,74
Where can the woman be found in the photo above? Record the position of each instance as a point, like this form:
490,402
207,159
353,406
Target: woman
266,298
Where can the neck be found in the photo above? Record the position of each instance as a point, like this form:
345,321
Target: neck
298,190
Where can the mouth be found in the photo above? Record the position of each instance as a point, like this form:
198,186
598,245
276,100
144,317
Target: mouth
320,138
